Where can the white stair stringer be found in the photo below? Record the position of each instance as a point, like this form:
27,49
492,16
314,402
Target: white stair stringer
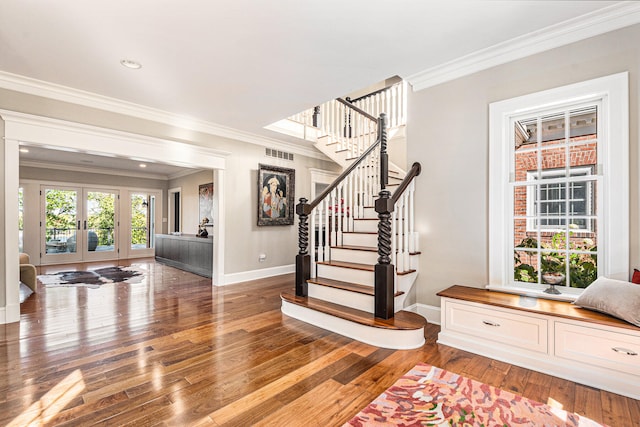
398,339
334,150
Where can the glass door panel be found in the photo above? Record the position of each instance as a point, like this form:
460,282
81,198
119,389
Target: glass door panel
100,224
143,220
61,225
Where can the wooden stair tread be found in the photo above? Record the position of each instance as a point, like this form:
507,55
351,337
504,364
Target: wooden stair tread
402,273
402,320
390,177
356,248
347,286
359,232
352,265
365,248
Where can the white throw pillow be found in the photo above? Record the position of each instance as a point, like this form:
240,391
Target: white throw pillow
615,297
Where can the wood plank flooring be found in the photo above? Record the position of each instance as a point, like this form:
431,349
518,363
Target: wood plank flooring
173,351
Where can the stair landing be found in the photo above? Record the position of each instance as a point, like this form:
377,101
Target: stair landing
404,331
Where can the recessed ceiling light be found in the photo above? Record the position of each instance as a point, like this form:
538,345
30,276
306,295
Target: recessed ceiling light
142,165
129,63
24,150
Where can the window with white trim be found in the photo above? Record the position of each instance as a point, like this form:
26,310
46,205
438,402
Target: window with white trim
559,187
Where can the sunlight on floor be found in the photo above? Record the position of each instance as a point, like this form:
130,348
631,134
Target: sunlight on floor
562,415
54,401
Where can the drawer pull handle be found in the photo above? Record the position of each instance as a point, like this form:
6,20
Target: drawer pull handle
486,322
624,350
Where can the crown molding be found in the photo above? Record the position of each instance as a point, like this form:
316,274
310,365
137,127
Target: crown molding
58,92
610,18
91,169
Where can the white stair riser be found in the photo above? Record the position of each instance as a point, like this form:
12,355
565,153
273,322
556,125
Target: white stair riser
371,258
350,299
370,213
340,296
365,226
352,255
355,239
351,275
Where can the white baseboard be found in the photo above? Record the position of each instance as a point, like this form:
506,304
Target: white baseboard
10,314
429,312
245,276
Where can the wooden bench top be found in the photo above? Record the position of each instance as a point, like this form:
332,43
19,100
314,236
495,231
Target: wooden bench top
534,305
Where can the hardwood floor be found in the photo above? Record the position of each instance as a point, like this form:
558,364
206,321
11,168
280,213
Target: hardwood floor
172,350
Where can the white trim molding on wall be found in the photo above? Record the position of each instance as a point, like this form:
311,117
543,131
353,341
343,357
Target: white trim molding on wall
614,17
45,132
429,312
262,273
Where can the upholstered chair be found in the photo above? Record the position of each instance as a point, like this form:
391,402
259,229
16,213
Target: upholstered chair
28,272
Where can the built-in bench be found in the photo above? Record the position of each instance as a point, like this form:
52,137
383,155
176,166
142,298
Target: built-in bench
554,337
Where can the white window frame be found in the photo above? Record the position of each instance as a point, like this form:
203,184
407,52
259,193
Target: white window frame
532,199
612,93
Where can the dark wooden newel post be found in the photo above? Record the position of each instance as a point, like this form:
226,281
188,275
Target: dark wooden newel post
384,283
303,259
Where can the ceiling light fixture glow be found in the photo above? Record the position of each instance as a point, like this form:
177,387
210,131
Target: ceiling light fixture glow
24,150
129,63
142,165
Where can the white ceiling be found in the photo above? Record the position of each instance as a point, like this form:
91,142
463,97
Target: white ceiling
245,64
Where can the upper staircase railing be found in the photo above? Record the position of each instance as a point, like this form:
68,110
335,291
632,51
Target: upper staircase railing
339,120
391,100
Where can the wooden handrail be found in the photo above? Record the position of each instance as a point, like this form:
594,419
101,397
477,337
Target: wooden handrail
343,175
413,172
375,92
356,109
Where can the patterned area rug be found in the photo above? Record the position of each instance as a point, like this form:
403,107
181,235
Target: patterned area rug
93,278
430,396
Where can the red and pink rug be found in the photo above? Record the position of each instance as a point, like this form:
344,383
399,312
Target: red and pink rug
430,396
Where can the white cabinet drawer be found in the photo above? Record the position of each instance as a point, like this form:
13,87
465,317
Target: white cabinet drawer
506,327
599,347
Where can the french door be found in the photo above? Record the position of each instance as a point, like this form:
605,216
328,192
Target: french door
143,223
78,224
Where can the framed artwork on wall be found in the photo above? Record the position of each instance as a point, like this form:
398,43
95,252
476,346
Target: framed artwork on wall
276,187
205,198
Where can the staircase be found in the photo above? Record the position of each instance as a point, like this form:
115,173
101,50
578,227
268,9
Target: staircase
358,263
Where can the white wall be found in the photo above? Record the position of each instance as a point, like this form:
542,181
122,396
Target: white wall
448,134
189,199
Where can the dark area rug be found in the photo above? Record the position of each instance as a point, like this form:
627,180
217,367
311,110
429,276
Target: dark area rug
93,278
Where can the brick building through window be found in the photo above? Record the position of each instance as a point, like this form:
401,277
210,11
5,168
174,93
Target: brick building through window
555,196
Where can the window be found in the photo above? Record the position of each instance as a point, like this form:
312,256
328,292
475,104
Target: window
547,204
559,187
